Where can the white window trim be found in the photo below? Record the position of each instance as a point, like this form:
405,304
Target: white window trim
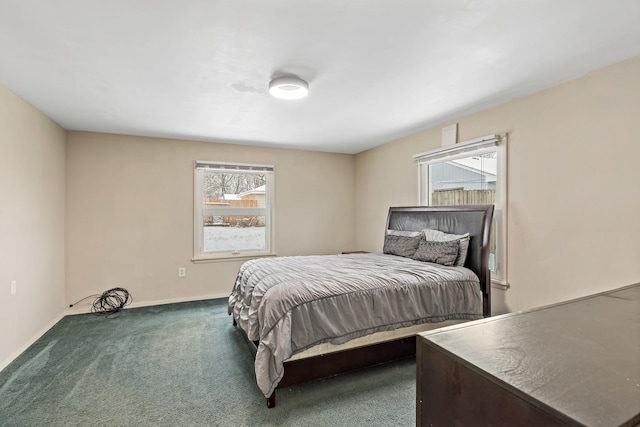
475,146
458,150
198,225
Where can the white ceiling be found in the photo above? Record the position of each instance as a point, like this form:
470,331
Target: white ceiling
377,69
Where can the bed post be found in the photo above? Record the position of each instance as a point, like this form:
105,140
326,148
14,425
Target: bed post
271,400
485,273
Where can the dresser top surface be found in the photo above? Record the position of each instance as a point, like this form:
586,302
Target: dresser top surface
580,358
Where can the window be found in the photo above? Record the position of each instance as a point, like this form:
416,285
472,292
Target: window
233,210
471,173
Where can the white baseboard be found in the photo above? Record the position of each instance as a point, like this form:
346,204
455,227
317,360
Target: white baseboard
86,307
33,339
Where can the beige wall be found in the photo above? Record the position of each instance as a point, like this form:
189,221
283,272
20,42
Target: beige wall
130,213
32,188
573,154
574,171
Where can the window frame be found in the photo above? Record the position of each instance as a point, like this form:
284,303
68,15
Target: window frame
198,219
483,145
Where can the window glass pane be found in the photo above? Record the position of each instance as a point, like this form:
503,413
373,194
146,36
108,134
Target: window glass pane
234,211
468,180
235,233
227,186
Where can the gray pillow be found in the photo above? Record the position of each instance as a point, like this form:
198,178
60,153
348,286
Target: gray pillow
400,245
440,236
444,253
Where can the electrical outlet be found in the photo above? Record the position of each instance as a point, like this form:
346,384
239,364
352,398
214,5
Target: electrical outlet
182,272
14,285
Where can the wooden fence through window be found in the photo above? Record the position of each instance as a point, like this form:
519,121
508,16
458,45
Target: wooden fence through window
232,221
463,197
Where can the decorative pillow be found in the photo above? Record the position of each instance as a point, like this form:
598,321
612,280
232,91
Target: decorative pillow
400,245
439,236
444,253
404,233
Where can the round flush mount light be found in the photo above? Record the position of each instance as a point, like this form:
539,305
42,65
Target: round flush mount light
288,87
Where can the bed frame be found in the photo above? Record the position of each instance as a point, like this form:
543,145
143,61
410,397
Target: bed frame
475,220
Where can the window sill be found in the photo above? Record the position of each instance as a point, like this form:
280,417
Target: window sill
227,258
497,284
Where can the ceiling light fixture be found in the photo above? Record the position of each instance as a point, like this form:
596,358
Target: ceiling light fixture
288,87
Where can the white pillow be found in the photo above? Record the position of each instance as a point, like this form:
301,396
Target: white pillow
403,233
440,236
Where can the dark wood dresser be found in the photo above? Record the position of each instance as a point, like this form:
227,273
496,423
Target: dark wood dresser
575,363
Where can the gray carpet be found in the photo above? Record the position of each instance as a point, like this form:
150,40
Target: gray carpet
182,365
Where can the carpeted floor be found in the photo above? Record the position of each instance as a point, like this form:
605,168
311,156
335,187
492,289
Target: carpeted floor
182,365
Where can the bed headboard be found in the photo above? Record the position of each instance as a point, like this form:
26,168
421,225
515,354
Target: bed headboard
475,220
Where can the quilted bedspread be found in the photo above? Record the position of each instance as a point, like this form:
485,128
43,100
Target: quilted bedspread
289,304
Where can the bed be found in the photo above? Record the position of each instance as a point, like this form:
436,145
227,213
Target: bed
309,317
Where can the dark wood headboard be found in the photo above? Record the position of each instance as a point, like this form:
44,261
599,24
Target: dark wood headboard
475,220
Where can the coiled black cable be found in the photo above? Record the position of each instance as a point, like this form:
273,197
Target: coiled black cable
109,302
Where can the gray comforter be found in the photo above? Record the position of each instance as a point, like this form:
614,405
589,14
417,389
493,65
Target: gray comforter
289,304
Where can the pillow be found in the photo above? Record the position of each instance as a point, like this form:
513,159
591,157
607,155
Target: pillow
444,253
404,233
400,245
439,236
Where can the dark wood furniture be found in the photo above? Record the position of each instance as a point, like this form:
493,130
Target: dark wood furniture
475,220
571,364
